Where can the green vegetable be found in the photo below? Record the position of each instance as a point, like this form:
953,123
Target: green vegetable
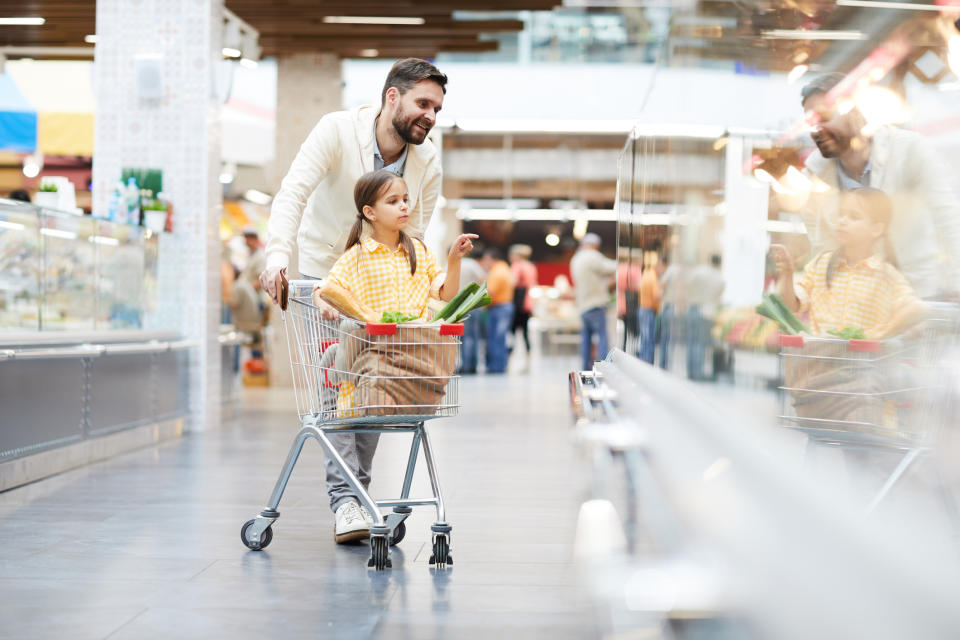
474,301
397,317
458,299
849,333
787,314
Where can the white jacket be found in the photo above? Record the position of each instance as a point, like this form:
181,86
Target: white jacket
925,229
315,202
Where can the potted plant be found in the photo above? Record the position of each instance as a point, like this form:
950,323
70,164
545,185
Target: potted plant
47,196
155,215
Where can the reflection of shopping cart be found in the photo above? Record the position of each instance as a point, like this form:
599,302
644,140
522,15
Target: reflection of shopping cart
865,395
352,377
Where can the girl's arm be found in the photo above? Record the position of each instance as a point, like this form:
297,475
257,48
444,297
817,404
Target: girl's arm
903,318
785,269
461,247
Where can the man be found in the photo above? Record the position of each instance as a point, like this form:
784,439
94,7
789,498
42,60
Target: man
592,274
925,229
649,305
500,311
314,209
704,294
257,259
470,271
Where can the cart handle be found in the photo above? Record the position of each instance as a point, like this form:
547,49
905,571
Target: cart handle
390,329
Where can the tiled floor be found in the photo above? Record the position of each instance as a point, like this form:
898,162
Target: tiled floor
147,545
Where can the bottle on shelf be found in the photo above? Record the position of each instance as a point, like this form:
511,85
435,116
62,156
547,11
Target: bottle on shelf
133,201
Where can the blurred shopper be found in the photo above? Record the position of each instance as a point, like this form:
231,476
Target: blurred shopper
256,261
500,312
524,279
592,274
649,306
925,227
314,210
628,303
670,288
20,194
470,271
704,296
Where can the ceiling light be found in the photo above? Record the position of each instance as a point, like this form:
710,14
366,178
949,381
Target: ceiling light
230,52
879,4
24,22
15,226
369,53
552,239
247,63
32,165
580,228
372,20
257,197
90,39
105,240
804,34
57,233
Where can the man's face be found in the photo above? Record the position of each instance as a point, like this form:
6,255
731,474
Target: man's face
832,132
416,111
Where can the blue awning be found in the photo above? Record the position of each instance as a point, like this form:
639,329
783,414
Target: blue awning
18,118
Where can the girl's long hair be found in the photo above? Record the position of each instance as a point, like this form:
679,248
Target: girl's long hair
370,187
878,206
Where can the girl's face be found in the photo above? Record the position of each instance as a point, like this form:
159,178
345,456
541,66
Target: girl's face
855,226
391,211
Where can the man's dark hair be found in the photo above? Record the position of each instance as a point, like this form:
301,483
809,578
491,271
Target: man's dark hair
820,84
715,260
406,73
492,252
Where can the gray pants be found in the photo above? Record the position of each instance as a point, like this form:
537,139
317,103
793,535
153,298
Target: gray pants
357,451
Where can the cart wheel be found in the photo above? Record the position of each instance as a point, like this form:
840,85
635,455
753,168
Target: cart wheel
398,533
265,537
441,552
379,553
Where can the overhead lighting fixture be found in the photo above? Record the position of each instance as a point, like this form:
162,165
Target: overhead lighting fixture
22,22
104,240
369,53
32,165
879,4
58,233
804,34
552,239
257,197
504,125
90,39
15,226
230,52
247,63
372,20
228,172
796,73
538,215
701,131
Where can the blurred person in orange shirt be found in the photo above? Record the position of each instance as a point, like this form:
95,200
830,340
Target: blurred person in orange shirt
500,312
524,279
649,305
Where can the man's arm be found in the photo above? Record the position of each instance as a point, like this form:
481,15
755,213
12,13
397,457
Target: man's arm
317,154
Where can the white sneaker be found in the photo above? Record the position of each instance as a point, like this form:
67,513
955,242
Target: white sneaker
366,516
350,524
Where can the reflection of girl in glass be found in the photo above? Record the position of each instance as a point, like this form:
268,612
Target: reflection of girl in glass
858,284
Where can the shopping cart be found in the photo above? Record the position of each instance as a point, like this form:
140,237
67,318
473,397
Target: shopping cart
865,395
352,377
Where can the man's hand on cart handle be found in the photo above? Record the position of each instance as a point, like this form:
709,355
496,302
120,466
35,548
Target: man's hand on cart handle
327,312
269,281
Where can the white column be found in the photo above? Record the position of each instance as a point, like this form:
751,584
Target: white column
308,87
172,46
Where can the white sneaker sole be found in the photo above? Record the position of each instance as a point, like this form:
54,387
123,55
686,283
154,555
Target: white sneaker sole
351,536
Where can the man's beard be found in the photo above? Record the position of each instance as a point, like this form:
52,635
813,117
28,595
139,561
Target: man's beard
408,130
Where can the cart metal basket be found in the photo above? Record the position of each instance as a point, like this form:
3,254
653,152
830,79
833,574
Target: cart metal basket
864,394
354,377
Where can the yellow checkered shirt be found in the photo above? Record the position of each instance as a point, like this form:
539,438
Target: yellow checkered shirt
862,295
381,277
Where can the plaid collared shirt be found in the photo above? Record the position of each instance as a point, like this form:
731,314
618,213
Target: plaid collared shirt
862,295
381,277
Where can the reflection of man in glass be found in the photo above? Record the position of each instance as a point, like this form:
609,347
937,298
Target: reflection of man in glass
592,274
925,229
704,296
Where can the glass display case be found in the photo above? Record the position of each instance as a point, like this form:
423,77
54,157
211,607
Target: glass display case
65,272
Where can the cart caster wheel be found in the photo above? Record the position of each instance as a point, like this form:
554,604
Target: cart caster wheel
398,533
265,537
441,552
379,553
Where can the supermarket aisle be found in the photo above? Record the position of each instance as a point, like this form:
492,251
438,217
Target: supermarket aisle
147,545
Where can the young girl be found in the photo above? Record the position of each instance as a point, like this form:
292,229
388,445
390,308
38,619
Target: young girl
385,268
853,285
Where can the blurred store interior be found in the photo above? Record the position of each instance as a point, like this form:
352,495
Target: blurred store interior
769,448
